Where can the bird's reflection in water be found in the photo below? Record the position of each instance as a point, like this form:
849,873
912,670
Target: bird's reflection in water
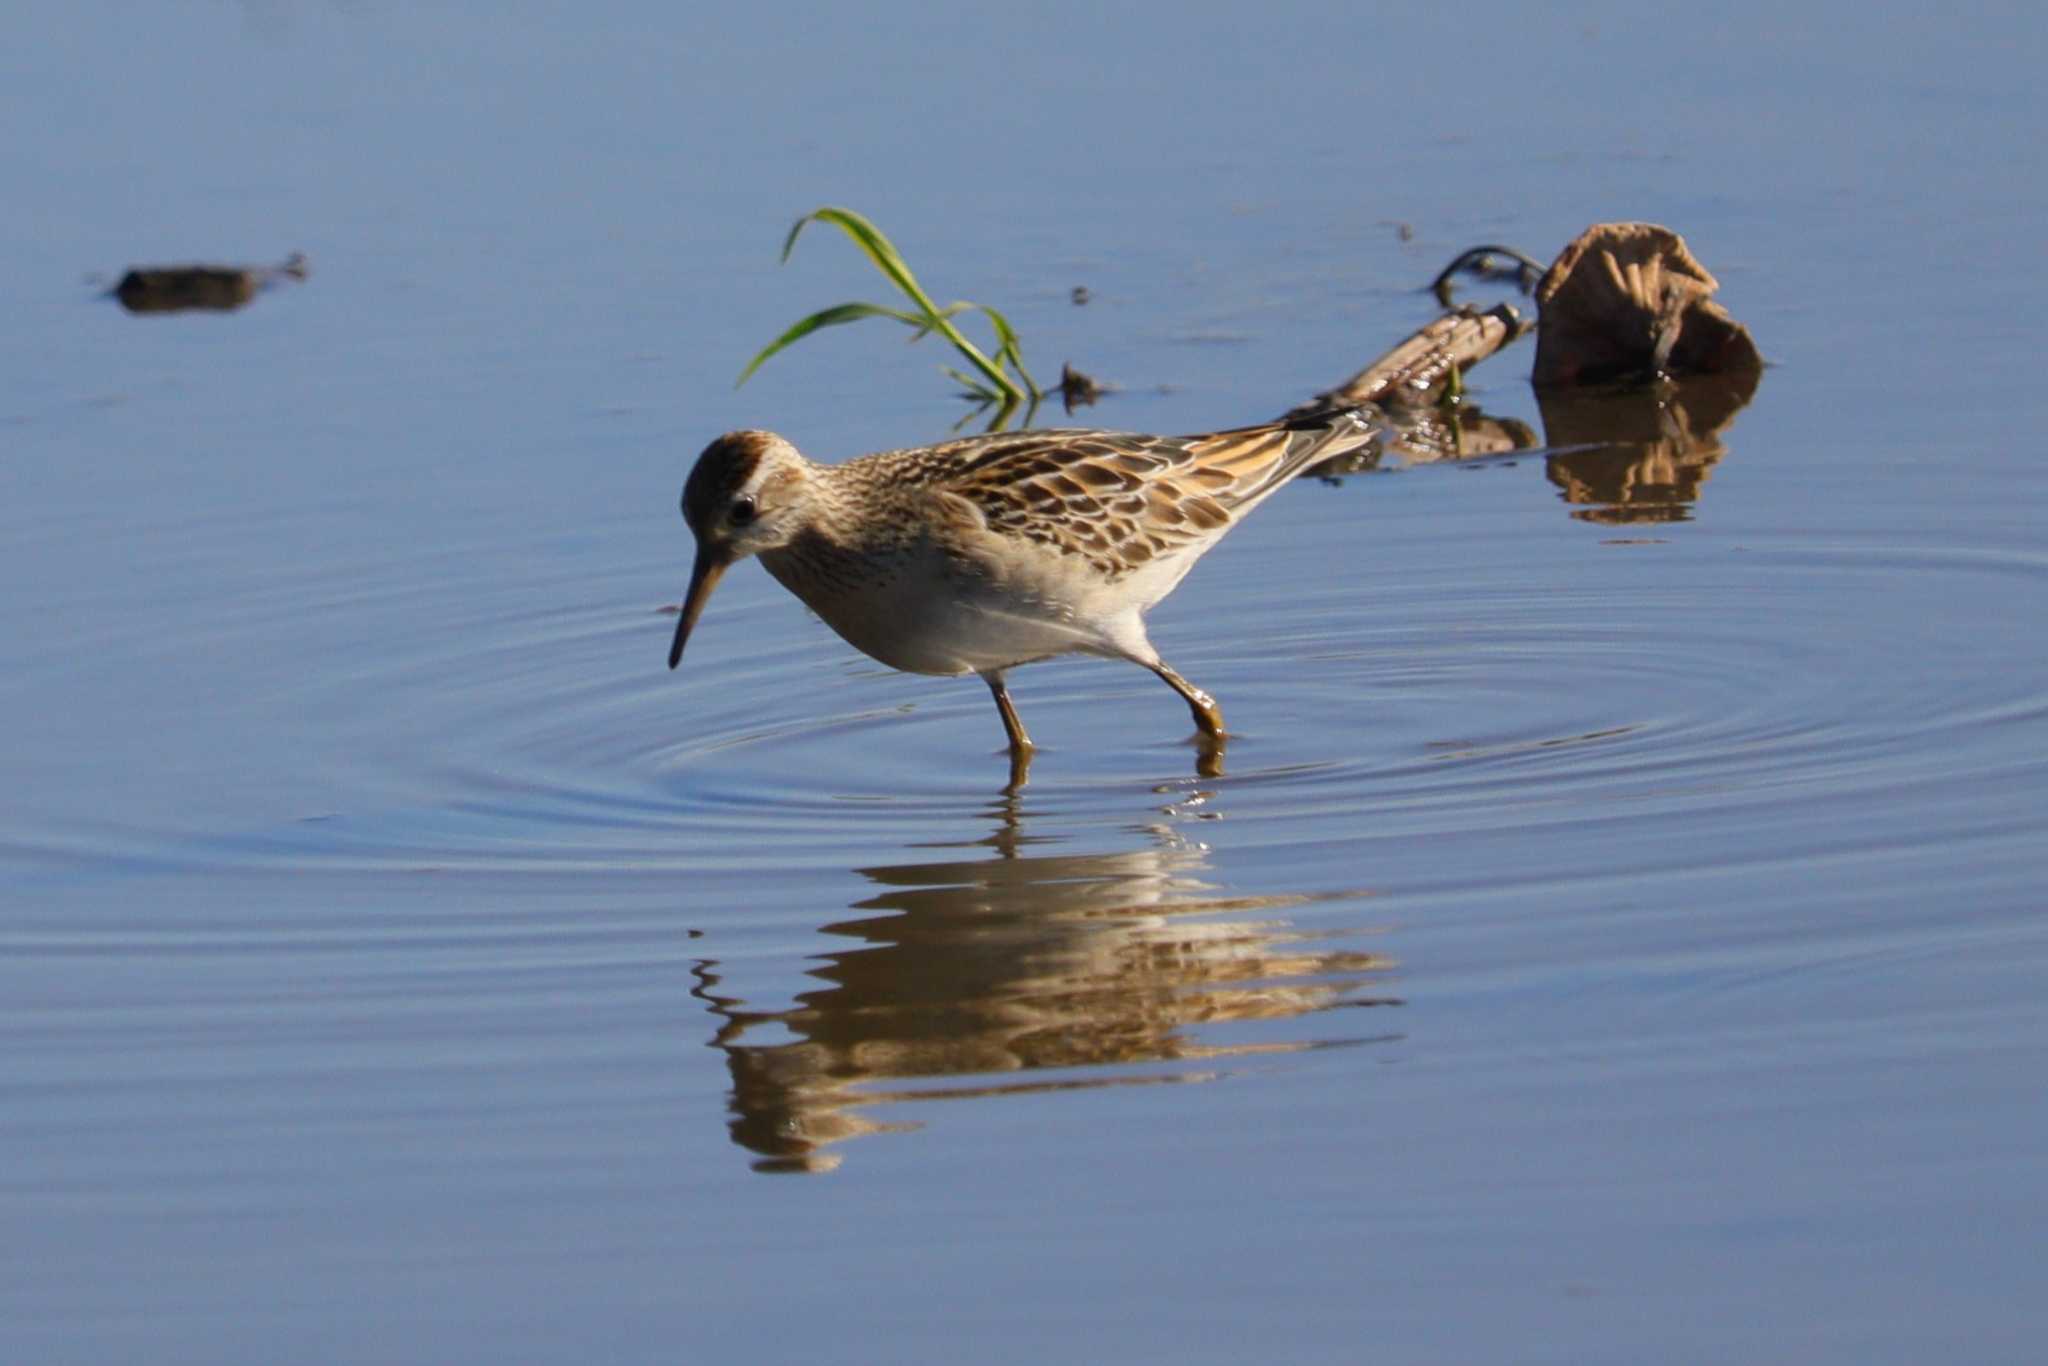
984,968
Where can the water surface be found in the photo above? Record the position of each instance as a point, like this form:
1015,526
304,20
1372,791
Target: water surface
1618,907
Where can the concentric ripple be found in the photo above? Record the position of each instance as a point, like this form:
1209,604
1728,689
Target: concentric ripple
1534,678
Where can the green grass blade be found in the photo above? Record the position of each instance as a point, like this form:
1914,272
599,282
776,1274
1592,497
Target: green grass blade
928,316
926,326
826,317
872,242
970,387
1008,345
1004,413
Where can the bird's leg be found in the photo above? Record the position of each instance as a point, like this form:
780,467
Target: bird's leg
1208,716
1020,773
1020,743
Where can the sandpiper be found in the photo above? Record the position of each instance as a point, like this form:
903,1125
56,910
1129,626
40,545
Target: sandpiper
978,555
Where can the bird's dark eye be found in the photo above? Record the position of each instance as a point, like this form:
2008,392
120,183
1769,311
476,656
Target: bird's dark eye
742,511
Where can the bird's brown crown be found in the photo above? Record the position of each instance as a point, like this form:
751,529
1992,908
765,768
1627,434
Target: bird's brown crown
724,468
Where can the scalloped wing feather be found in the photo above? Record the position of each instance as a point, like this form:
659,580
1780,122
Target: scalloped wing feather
1123,501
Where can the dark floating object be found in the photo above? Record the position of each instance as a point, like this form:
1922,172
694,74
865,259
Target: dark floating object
1076,389
220,289
1628,301
1624,303
1080,295
1638,373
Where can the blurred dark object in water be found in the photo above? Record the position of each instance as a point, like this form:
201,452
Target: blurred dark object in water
1076,389
1639,454
180,289
1080,295
1627,301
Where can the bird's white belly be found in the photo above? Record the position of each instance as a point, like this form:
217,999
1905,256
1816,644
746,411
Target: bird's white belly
929,634
926,622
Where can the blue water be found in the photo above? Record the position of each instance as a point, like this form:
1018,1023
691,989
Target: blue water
1615,934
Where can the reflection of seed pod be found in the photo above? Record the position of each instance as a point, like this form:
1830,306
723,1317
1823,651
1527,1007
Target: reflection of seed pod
1639,455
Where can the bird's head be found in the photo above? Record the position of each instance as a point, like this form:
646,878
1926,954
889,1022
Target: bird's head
743,497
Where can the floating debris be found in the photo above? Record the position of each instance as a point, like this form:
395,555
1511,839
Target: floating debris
1421,369
1637,372
220,289
1628,301
1491,263
1076,389
1080,295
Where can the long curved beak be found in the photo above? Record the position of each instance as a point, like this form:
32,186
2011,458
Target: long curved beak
710,568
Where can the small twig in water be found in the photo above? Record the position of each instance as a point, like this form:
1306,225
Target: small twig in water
1479,261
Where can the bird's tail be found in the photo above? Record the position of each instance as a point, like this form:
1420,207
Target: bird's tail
1244,466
